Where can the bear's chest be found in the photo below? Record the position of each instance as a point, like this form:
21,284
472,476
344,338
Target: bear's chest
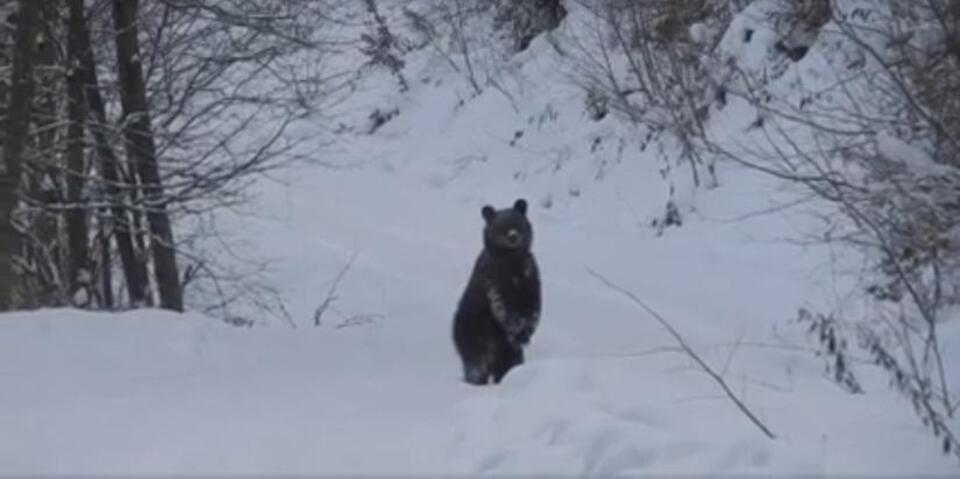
514,276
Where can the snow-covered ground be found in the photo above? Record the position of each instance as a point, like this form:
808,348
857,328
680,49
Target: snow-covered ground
376,387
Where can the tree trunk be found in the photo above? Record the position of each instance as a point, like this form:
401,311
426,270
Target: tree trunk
141,150
76,218
134,270
43,281
106,270
16,129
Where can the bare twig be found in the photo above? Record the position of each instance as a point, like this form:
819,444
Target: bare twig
688,350
332,292
733,352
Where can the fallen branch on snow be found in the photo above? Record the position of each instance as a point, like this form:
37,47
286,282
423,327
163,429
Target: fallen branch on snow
687,349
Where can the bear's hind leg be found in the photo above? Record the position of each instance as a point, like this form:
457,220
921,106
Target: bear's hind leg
476,374
508,358
478,368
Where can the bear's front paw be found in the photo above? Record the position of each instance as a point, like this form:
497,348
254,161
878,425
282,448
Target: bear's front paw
520,336
476,375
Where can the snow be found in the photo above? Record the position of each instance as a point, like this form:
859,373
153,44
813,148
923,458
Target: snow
375,388
161,393
912,158
699,33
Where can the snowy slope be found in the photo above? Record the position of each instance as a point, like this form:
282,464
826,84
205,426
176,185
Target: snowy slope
376,388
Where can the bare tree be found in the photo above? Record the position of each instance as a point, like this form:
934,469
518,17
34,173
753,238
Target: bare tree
79,273
116,219
382,46
474,37
17,124
142,152
448,28
131,119
878,146
644,62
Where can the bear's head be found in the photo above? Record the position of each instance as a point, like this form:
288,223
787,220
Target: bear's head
507,230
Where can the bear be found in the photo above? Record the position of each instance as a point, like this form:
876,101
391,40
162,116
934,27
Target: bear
500,306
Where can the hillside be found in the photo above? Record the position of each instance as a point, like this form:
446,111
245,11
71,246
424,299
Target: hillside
368,382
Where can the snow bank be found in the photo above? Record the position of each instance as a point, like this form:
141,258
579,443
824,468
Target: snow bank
151,392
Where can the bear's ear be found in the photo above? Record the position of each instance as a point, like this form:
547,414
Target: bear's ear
488,212
520,206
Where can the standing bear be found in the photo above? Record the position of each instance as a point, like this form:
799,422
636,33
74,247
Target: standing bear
500,308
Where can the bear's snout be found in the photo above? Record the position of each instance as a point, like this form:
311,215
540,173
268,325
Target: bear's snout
513,238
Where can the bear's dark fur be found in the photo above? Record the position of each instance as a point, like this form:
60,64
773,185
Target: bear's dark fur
500,307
